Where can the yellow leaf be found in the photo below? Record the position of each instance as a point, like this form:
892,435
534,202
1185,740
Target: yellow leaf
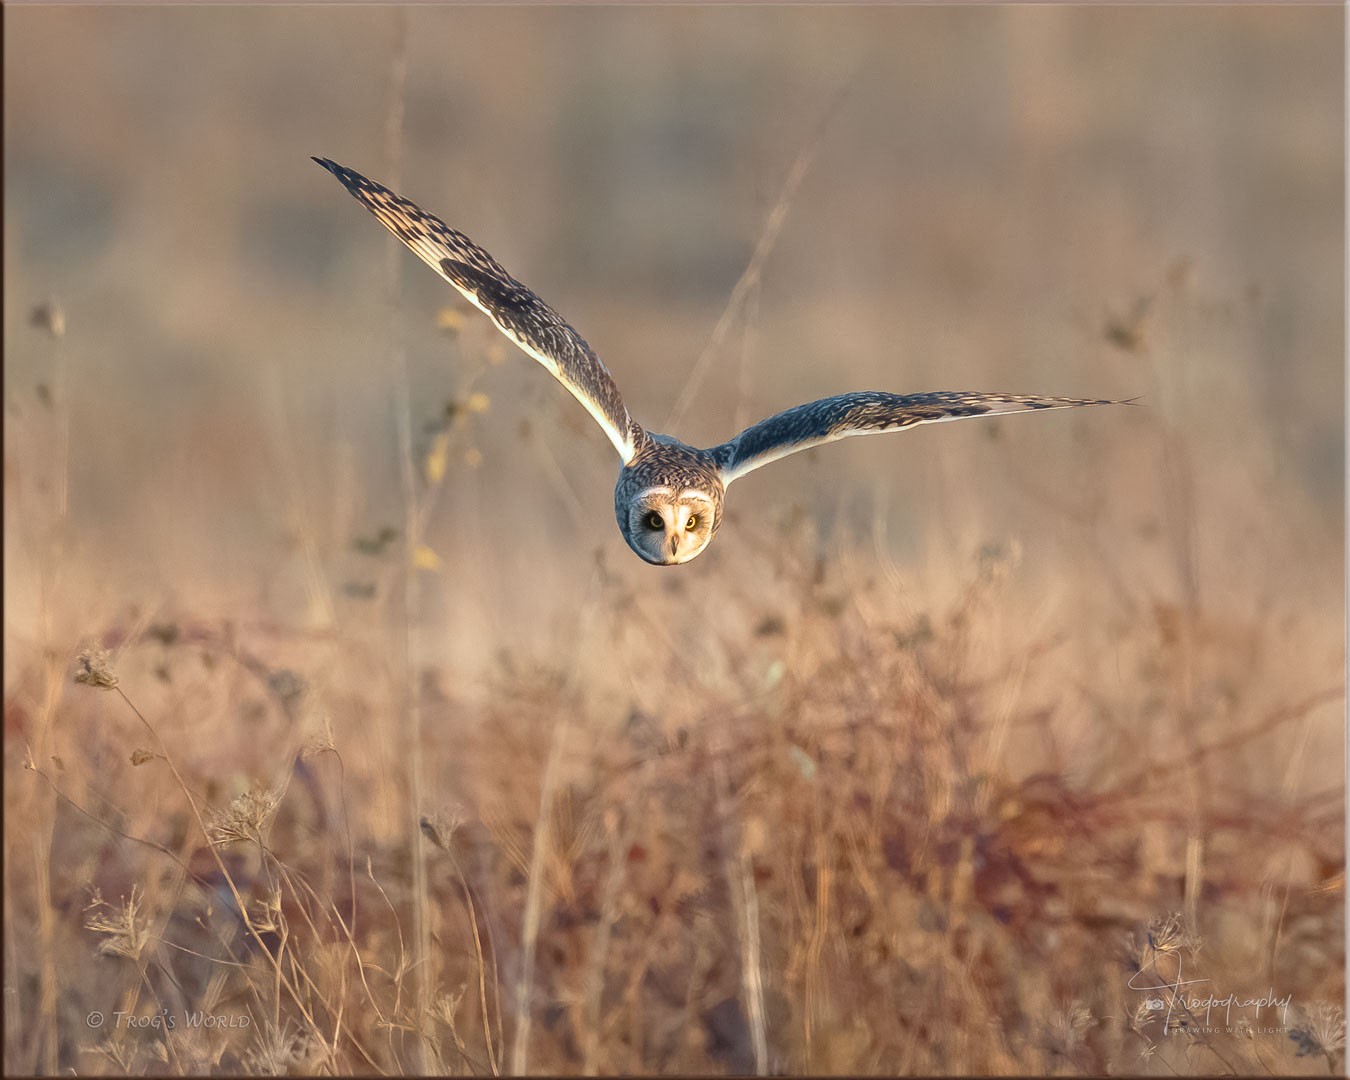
424,558
478,402
435,463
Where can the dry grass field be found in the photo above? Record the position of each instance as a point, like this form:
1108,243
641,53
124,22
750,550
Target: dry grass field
343,733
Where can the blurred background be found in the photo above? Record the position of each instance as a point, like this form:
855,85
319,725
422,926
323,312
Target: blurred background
237,420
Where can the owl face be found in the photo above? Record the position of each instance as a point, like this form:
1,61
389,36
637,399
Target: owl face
667,528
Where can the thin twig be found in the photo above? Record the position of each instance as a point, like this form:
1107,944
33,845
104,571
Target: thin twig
764,244
412,539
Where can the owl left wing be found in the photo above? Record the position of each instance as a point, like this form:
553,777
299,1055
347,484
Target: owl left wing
867,412
519,314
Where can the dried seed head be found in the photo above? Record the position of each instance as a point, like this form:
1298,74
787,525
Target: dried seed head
282,1050
95,669
116,1051
441,826
245,817
266,915
1169,935
1142,1014
122,930
447,1006
1321,1031
1065,1031
321,742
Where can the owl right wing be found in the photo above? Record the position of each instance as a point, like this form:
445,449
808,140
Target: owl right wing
519,314
867,412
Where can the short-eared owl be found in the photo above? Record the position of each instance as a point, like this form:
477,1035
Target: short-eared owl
669,496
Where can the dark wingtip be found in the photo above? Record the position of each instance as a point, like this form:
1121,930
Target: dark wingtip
352,180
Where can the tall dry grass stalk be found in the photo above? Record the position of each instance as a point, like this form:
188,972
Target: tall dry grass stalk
745,901
534,897
421,969
53,540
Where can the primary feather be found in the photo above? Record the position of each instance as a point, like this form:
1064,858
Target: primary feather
866,412
519,313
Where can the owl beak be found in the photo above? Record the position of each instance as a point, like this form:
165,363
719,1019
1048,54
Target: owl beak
674,546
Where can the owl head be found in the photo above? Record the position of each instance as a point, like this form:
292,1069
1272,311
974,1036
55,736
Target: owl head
667,527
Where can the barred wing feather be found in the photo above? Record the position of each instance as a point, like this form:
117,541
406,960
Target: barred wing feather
867,412
519,313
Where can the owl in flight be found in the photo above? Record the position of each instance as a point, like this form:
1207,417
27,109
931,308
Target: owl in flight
669,496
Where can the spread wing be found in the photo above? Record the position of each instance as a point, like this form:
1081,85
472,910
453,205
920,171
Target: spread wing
518,313
865,413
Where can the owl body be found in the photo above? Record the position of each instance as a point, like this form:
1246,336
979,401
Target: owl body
669,496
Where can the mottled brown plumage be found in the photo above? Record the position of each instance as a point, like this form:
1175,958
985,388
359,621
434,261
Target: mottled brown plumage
669,496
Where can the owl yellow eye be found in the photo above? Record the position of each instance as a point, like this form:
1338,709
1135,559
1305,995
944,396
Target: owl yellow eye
692,523
654,521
